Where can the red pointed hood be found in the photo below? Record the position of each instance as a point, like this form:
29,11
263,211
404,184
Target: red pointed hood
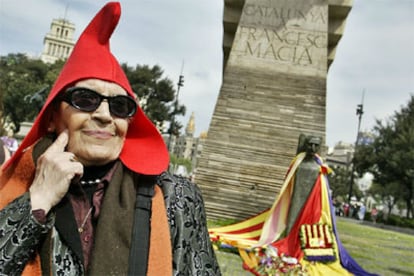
144,150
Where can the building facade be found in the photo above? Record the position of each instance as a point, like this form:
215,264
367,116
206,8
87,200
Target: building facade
187,146
340,156
59,42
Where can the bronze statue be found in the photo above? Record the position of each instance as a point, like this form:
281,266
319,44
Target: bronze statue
305,177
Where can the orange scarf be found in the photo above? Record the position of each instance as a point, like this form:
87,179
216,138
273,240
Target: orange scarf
17,178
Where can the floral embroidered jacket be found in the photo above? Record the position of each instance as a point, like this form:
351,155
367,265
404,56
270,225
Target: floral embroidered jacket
21,235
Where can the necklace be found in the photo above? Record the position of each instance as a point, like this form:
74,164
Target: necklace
90,182
81,228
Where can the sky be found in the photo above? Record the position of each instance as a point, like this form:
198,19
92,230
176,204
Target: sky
374,63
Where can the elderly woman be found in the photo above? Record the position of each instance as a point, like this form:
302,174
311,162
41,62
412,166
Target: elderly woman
86,192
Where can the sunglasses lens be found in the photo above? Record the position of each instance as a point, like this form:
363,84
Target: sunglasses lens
85,100
88,100
122,106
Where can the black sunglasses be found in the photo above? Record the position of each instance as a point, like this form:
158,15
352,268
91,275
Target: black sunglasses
87,100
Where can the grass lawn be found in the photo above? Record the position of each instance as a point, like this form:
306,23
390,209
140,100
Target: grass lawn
377,250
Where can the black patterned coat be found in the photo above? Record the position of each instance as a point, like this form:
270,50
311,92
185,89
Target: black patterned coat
21,235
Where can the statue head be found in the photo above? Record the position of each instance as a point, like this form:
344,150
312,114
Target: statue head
313,144
309,143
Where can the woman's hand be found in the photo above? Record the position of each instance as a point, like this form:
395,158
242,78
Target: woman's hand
54,172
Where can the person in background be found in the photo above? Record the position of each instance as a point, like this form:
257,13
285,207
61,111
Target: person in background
374,214
361,211
87,192
4,153
10,142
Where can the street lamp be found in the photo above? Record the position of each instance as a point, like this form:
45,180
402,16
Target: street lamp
359,112
173,124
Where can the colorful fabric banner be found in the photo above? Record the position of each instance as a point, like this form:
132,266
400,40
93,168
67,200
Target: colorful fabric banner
312,247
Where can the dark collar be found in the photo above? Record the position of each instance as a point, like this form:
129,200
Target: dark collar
65,224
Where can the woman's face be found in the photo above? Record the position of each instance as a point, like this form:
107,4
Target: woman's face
96,137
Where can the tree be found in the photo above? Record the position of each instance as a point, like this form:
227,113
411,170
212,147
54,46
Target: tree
390,157
177,161
24,84
388,193
339,181
156,94
2,130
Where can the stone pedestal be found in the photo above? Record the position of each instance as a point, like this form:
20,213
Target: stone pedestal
274,88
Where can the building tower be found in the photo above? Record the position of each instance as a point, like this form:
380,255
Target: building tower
184,146
190,128
276,55
59,42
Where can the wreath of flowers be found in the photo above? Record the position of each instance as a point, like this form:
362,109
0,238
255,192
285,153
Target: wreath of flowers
271,263
263,261
317,242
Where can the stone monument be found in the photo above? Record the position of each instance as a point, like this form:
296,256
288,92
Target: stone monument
276,59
